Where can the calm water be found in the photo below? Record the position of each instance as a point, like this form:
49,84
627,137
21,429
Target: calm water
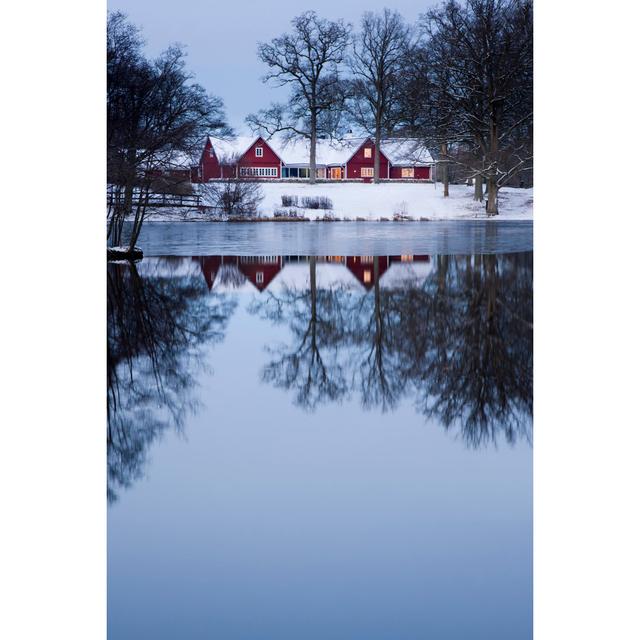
330,447
344,238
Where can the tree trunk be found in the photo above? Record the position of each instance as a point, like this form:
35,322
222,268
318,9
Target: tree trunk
312,152
376,157
492,186
492,196
445,169
477,190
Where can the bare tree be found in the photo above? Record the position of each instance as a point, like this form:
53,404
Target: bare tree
376,62
307,60
155,114
485,47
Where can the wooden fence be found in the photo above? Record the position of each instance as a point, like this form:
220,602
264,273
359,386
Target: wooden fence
190,200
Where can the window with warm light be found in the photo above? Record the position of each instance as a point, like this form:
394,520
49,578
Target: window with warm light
407,172
367,277
366,172
367,152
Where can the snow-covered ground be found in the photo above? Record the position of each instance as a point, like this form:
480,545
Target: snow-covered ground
372,201
352,200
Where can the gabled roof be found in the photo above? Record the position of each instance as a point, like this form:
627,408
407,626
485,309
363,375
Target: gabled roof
399,151
227,150
406,151
358,143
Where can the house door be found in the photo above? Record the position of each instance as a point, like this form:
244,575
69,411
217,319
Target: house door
336,173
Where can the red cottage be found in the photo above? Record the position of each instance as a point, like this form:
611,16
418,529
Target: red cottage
361,163
259,161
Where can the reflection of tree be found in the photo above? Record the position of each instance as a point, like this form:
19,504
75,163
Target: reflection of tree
478,373
459,340
312,366
155,326
374,327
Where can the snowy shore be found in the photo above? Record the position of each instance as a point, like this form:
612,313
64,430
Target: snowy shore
373,202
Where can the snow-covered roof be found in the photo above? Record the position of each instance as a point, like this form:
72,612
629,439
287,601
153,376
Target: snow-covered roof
400,151
328,276
406,151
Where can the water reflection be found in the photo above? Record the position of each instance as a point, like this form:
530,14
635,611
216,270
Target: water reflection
158,318
452,334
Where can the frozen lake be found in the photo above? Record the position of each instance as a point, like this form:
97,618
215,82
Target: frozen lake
342,238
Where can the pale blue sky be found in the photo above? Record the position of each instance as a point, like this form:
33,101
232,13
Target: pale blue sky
221,38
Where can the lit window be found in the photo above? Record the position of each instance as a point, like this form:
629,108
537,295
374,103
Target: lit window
407,172
406,258
366,259
367,276
366,172
367,152
259,152
259,277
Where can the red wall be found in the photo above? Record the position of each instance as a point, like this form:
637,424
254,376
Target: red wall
209,166
419,173
268,159
358,161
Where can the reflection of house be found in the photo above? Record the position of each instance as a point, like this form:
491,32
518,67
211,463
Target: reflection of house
364,268
352,159
209,266
260,271
406,270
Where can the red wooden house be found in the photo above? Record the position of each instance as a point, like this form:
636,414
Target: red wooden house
351,159
256,159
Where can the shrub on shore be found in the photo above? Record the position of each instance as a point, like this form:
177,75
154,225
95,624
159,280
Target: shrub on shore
307,202
317,202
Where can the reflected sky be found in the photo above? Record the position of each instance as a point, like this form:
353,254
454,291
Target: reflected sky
327,447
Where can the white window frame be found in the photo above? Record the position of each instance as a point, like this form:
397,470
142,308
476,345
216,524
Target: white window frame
407,172
368,152
259,277
259,152
258,172
366,172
